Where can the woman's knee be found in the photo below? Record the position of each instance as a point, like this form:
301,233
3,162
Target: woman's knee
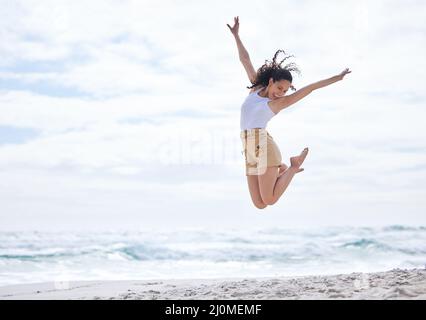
269,201
260,205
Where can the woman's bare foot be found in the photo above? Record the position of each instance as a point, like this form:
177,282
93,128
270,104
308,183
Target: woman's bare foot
297,161
282,169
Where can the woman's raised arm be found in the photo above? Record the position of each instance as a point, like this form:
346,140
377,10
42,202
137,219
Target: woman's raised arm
242,52
287,101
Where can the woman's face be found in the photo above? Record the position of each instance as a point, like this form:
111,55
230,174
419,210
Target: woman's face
279,88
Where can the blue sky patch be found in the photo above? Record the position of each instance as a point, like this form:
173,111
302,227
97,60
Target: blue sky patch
16,135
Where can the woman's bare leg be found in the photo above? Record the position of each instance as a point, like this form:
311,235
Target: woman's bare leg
272,186
282,169
253,184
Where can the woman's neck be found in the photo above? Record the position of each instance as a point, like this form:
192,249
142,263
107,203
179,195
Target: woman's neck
264,94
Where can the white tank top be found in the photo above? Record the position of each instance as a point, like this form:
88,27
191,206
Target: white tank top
255,111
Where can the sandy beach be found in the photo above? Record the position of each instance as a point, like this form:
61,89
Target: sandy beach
393,284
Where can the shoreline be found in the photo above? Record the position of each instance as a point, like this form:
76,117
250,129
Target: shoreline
393,284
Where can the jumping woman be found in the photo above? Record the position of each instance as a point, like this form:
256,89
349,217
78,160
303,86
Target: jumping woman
267,176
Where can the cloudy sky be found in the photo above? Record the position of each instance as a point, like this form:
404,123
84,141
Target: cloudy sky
125,114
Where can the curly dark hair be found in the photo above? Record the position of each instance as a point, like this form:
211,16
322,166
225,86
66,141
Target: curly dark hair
274,70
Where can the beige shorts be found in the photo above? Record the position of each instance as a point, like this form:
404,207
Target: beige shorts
260,151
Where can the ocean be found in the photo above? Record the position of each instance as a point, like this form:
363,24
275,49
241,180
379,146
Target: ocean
31,257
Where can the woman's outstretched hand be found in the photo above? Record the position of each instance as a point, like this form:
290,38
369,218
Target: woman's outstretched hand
236,26
344,73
